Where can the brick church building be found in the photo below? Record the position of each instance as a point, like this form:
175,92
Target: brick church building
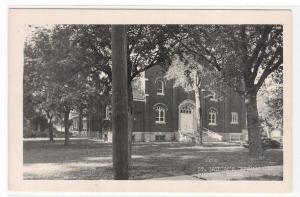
162,112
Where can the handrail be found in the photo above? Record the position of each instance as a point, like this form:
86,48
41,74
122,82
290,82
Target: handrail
206,130
210,132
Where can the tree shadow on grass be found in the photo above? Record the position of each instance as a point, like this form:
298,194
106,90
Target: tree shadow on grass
91,160
56,152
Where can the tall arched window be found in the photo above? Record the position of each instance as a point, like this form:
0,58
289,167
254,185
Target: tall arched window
212,117
160,86
160,114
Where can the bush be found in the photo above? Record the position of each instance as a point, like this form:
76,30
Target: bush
35,134
28,132
58,134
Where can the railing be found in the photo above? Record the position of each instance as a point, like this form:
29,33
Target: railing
212,134
209,133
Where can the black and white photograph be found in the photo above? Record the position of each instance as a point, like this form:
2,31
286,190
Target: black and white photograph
160,102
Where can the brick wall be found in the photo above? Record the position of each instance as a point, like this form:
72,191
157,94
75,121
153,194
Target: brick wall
226,103
153,99
144,110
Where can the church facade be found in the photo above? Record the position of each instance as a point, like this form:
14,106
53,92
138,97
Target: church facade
162,112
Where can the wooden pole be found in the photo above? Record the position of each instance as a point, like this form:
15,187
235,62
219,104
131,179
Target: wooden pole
119,102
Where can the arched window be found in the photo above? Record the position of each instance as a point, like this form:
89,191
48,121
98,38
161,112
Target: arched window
160,86
160,114
212,117
234,118
107,112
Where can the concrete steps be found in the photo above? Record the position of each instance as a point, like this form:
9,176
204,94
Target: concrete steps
208,136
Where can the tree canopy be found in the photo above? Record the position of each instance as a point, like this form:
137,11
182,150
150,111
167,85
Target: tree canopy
245,55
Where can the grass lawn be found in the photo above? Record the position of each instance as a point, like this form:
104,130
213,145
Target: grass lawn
86,159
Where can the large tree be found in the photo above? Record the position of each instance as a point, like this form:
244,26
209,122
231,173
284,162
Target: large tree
147,45
39,95
189,74
59,72
86,50
246,54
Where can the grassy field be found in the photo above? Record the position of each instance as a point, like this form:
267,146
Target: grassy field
91,160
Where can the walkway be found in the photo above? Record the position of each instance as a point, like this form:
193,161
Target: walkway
258,173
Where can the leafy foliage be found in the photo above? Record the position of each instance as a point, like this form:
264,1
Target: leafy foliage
244,54
270,103
57,75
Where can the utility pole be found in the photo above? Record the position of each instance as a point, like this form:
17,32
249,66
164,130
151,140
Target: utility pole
119,102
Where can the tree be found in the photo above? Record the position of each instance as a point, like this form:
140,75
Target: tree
189,74
147,45
36,86
261,53
57,60
270,103
243,53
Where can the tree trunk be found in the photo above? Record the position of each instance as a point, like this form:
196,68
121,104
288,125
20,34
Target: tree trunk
66,123
198,114
254,132
38,126
88,123
50,129
80,121
50,126
130,124
119,102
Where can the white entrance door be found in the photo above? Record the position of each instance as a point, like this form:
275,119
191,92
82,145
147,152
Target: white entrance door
186,119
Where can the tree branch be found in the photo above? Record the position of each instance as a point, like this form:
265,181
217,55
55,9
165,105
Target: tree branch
199,54
104,66
212,60
259,61
135,40
260,45
263,52
152,63
270,67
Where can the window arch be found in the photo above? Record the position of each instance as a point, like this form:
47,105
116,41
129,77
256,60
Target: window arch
186,109
212,117
160,87
160,114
